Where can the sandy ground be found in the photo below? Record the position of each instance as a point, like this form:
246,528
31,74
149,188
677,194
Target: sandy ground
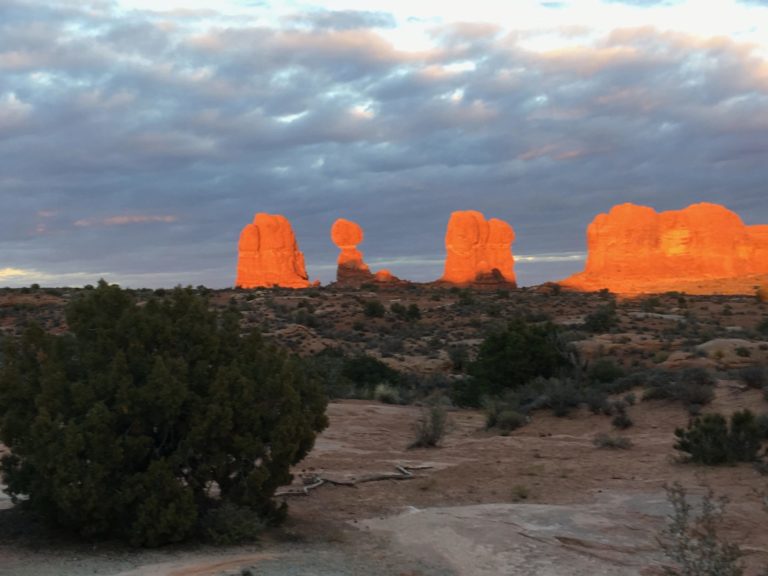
543,500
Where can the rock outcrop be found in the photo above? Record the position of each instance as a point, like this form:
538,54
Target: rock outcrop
352,270
479,251
269,255
636,249
386,277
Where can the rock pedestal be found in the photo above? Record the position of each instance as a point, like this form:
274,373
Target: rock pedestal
352,270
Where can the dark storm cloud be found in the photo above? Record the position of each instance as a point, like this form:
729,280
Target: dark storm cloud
140,144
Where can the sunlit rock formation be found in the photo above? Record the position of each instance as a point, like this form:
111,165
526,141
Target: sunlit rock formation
478,250
386,277
635,249
269,255
352,270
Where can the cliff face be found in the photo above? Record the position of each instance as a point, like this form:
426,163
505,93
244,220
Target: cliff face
478,250
268,255
634,248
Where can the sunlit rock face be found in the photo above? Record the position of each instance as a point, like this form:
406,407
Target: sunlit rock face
269,255
385,276
352,270
478,250
634,248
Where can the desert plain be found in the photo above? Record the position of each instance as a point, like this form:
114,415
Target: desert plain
542,499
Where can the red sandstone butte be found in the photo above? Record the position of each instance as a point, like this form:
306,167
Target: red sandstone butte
352,270
636,249
478,250
269,255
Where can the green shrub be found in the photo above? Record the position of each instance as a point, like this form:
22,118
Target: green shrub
366,371
413,313
513,357
762,425
692,542
603,440
605,370
410,313
561,395
231,524
745,437
650,304
754,376
509,420
306,318
386,394
596,400
622,421
709,439
374,309
121,428
466,298
430,427
459,357
602,319
504,413
692,386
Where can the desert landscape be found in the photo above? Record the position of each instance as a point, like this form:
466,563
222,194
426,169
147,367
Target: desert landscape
386,288
540,499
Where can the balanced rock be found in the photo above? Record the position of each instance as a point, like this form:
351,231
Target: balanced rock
269,255
636,249
478,250
352,270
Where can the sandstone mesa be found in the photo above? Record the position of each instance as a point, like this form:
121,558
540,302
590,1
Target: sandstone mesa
478,250
268,255
636,249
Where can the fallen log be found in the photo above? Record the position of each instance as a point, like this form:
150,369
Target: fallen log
315,481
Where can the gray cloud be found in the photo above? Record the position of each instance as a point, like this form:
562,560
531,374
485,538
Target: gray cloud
181,132
342,19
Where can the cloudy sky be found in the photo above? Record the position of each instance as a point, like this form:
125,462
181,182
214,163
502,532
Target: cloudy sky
138,137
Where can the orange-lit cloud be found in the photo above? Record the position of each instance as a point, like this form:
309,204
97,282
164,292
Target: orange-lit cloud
124,220
15,273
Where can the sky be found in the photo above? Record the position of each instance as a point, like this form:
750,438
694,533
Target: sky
138,137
